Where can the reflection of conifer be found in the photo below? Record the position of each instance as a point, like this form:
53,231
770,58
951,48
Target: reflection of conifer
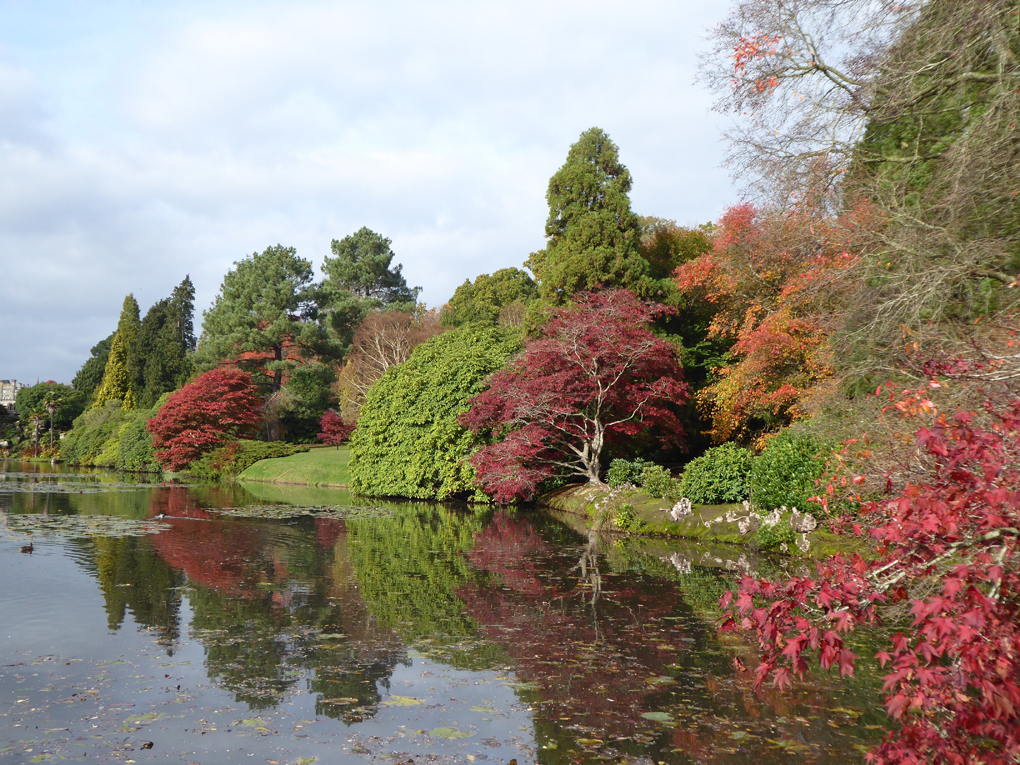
132,576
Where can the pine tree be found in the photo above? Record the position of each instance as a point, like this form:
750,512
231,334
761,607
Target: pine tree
259,311
593,235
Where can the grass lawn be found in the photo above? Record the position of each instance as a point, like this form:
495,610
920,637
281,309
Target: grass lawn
320,466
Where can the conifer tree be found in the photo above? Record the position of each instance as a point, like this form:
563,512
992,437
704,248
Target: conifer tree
167,339
359,279
593,235
116,384
90,376
260,309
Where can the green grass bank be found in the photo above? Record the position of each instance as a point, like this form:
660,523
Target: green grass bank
319,466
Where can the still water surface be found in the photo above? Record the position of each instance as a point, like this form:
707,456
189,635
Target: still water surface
387,634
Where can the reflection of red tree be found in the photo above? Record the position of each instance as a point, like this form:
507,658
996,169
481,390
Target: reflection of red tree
592,662
327,531
503,547
223,554
598,666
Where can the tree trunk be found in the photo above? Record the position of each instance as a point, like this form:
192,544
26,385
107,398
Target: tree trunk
277,373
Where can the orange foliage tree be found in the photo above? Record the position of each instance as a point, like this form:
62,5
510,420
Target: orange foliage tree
772,279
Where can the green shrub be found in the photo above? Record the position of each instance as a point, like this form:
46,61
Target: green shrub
409,442
657,482
786,473
109,436
234,458
770,537
626,471
719,475
625,518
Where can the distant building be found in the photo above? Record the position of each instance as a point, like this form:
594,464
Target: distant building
9,392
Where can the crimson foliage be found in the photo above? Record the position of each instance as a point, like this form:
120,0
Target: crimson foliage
203,415
334,430
596,377
950,550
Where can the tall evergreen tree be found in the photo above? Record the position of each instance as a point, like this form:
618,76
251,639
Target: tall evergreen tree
129,326
263,305
593,235
116,383
359,279
124,353
90,375
167,339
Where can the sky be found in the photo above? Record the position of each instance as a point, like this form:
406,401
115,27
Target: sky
142,142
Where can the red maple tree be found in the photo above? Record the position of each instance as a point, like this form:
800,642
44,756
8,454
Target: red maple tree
203,415
334,430
597,376
950,550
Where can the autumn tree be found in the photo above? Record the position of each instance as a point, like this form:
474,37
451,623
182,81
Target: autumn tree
384,339
264,305
215,407
910,107
490,298
772,285
597,377
948,552
334,431
592,234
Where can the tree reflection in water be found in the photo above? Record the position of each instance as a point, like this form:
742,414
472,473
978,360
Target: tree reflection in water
595,636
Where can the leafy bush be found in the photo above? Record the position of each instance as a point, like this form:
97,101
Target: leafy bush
771,536
408,442
657,482
109,436
626,471
719,475
237,456
625,518
786,473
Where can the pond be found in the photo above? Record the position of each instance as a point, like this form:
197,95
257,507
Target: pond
273,625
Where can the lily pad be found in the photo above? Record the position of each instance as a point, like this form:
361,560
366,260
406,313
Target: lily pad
401,701
451,733
664,717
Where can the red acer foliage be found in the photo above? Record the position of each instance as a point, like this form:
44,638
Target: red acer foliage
950,551
334,430
597,376
201,416
772,279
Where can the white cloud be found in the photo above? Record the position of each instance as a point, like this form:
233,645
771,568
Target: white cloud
199,137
